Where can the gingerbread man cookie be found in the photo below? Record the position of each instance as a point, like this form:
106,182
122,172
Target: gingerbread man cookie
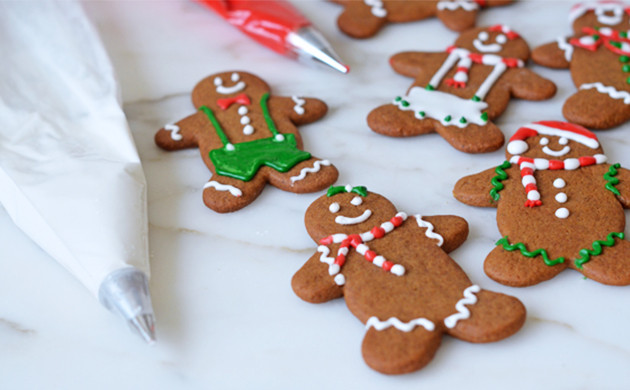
398,279
457,93
559,205
248,138
598,55
363,19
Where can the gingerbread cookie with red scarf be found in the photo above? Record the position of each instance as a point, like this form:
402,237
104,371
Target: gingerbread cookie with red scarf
598,55
398,279
559,205
248,138
457,93
363,19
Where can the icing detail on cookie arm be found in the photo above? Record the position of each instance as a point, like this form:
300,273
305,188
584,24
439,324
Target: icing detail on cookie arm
429,232
585,254
224,187
174,129
315,168
496,181
299,105
374,322
566,47
612,181
462,311
466,5
608,90
377,8
333,269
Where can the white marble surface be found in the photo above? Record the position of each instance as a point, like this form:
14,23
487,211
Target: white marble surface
227,317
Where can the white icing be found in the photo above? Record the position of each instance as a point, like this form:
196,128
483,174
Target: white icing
377,8
223,187
605,18
562,213
175,134
533,195
563,141
454,56
218,81
439,105
299,105
584,140
279,137
544,141
245,120
462,311
342,220
501,39
559,183
229,147
566,47
490,48
541,163
316,168
556,153
561,197
220,88
356,201
374,322
517,147
248,130
333,269
600,9
242,110
571,164
397,270
334,207
429,232
528,179
466,5
235,77
600,158
492,78
348,188
483,36
610,91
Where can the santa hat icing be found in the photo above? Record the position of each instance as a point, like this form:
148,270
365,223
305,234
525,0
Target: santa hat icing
517,144
600,8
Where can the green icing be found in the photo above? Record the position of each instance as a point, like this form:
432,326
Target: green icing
360,190
611,180
462,120
585,254
484,116
448,118
624,59
476,98
496,181
421,113
429,88
626,68
523,249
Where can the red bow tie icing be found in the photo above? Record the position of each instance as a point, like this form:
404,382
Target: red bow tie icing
227,102
613,40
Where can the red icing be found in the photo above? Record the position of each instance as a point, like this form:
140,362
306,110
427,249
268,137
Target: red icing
370,255
587,160
387,265
532,203
377,232
555,164
526,172
531,187
227,102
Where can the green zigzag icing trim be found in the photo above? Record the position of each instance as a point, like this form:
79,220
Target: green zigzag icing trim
521,247
612,181
496,181
585,254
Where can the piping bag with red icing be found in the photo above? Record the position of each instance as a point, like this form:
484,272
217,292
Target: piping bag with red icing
70,175
279,26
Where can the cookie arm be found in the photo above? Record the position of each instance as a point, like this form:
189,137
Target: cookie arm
180,135
475,190
313,283
452,229
555,55
412,63
528,85
299,110
618,182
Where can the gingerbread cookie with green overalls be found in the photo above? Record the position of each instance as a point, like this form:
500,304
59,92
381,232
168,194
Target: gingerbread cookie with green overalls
598,55
457,93
397,278
248,138
364,18
559,205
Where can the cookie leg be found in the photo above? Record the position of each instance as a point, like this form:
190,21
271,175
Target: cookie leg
391,121
458,19
224,194
358,21
514,269
392,351
596,110
611,267
492,317
308,176
472,138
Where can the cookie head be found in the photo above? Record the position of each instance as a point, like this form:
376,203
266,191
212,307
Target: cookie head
498,39
553,140
600,14
222,89
347,210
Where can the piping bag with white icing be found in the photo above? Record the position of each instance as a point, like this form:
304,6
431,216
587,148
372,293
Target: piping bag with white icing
70,175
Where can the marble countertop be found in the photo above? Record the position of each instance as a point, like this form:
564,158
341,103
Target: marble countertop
226,315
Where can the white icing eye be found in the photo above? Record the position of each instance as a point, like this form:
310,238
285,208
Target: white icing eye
334,207
502,39
235,77
563,141
242,110
356,200
218,81
544,141
483,36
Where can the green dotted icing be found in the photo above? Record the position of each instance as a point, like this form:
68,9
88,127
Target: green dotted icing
585,254
523,249
448,118
496,181
476,98
612,181
429,88
484,116
462,120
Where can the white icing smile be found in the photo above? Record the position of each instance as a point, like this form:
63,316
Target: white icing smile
556,153
489,48
342,220
239,86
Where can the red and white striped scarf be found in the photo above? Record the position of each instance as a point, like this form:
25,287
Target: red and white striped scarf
460,78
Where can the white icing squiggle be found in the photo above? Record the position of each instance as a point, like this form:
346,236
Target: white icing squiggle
467,5
610,91
316,167
429,233
223,187
175,134
378,9
462,311
566,47
398,324
299,105
340,280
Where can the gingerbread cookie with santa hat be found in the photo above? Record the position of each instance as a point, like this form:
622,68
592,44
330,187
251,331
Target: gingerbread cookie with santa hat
559,205
457,93
598,56
363,19
397,278
248,138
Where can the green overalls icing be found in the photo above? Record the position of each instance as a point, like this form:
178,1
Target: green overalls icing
242,160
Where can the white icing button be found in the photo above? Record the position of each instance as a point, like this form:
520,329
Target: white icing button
334,207
229,147
562,212
245,120
248,130
559,183
561,197
242,110
279,137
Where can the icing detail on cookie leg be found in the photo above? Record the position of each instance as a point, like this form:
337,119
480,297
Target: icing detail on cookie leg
466,5
223,187
608,90
462,311
316,168
299,105
175,134
374,322
585,254
377,8
565,47
523,249
429,233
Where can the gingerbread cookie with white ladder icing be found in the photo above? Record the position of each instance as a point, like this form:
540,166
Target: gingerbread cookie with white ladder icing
397,278
248,138
459,92
598,56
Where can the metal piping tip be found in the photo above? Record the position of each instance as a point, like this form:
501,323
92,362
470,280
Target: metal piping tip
144,326
309,46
